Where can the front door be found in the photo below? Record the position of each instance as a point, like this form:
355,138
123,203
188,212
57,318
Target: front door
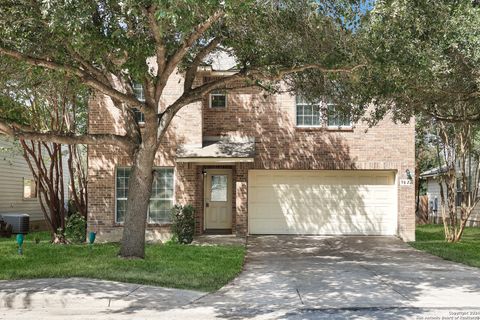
218,199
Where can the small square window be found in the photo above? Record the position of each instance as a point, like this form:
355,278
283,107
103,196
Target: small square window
218,100
29,188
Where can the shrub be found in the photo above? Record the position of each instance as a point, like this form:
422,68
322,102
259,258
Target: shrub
76,228
183,223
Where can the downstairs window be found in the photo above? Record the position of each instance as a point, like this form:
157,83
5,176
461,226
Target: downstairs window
161,199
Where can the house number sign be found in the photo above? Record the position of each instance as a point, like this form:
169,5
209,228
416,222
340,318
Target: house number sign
406,182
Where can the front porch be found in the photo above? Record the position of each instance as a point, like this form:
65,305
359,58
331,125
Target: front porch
217,174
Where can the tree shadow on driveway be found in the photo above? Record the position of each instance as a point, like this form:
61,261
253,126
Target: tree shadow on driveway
310,277
285,277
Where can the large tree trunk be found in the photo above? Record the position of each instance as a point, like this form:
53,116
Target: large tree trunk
139,190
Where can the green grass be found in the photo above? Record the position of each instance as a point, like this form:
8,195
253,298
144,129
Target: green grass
431,238
204,268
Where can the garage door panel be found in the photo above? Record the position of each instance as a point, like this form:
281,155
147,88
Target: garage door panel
320,197
281,227
267,178
321,202
265,193
319,214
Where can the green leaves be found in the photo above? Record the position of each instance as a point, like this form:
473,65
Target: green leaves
424,57
116,38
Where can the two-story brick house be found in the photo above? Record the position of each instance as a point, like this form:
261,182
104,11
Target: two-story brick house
254,163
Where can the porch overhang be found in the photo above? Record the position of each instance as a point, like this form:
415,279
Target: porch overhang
215,160
219,150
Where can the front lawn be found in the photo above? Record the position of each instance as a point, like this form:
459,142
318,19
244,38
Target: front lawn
431,238
204,268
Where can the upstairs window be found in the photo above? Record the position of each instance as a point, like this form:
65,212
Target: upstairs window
218,100
138,92
337,118
320,114
139,116
140,95
308,114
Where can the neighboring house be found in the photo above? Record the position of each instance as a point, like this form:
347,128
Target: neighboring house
432,179
253,163
18,189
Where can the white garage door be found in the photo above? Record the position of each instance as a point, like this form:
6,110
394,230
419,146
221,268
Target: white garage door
322,202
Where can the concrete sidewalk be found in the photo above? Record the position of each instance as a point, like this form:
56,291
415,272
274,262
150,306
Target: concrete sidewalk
285,277
45,298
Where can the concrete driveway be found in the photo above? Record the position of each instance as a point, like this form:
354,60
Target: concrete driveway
288,277
344,277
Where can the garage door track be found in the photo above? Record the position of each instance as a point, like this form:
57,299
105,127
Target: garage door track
343,277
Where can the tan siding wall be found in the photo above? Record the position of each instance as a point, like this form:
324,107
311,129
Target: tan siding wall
13,168
433,190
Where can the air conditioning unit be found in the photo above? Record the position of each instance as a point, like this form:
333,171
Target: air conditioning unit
20,222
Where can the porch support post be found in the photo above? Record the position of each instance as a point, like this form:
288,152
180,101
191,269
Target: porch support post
241,191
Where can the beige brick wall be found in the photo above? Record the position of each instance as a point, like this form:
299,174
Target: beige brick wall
103,161
282,145
279,145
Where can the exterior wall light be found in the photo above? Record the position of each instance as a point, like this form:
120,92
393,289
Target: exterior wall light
409,174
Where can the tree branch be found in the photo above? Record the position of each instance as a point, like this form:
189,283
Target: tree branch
197,93
257,75
193,68
157,36
175,59
26,133
89,67
84,76
281,73
454,118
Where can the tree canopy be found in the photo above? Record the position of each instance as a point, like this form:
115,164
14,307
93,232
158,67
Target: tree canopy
424,57
420,58
106,46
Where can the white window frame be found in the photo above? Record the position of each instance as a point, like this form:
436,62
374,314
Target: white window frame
213,94
148,213
138,86
35,196
143,115
167,199
135,87
115,191
320,125
336,126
